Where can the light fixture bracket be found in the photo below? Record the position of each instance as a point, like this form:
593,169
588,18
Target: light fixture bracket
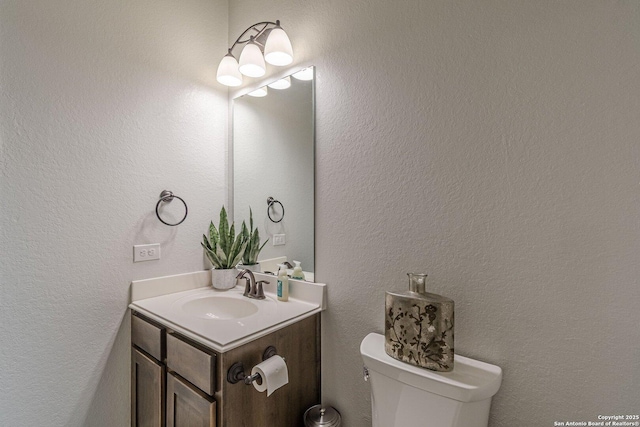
257,33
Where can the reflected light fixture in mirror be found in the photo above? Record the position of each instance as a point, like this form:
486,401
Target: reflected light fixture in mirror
284,83
259,93
267,37
304,74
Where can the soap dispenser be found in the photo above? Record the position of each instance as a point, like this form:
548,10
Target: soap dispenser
297,271
282,289
419,326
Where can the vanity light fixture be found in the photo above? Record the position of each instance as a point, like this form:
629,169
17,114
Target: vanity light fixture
283,83
304,74
267,37
259,93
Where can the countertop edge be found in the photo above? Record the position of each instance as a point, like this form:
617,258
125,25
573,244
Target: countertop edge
212,344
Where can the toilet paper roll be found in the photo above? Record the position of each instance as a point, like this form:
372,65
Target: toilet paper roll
274,374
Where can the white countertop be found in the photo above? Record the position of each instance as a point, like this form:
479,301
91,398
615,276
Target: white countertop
163,300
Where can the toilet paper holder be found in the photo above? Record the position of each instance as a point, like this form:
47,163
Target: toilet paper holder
236,373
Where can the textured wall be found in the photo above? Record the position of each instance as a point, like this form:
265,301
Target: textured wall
496,146
104,104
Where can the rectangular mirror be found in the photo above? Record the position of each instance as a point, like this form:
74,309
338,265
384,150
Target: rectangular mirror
273,147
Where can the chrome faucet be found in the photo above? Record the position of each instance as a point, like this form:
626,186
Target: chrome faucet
252,289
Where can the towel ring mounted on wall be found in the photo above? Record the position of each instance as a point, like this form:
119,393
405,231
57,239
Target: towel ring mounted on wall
167,197
270,202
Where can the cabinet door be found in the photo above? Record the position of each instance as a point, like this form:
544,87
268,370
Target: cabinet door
188,407
147,391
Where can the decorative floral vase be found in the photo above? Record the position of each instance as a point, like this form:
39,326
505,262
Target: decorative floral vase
419,326
223,278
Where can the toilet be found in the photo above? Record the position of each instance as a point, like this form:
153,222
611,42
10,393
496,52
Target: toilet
404,395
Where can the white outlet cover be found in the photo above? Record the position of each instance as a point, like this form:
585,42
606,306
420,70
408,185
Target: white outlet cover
146,252
279,239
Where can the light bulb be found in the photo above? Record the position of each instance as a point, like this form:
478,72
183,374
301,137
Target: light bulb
228,73
251,61
306,74
259,93
281,84
278,50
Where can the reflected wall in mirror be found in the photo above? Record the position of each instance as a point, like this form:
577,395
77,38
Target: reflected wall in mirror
273,156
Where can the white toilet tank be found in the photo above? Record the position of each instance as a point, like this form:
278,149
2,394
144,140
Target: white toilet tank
404,395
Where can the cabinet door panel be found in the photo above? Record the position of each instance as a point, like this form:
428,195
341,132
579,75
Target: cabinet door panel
187,407
147,391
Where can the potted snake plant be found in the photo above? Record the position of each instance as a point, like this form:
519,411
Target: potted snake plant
252,237
225,250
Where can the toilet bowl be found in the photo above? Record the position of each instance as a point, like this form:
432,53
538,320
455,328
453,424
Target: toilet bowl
404,395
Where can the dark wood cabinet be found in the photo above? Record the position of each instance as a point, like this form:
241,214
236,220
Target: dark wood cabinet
147,391
242,406
197,391
187,406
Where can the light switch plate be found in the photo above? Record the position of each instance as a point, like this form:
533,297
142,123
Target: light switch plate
279,239
146,252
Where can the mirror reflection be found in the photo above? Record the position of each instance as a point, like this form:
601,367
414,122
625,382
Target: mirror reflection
273,169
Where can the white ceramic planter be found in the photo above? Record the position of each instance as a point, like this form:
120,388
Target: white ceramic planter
252,267
223,279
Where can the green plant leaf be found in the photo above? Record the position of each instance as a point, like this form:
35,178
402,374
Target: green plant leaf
214,237
205,242
223,257
235,249
245,237
223,229
238,257
244,231
252,237
253,249
213,258
230,240
223,248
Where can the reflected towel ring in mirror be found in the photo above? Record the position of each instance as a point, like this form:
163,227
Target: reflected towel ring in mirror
270,202
167,197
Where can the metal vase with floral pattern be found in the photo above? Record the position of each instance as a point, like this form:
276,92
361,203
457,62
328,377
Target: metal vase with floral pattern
419,326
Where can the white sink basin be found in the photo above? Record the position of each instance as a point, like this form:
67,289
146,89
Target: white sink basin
223,320
218,307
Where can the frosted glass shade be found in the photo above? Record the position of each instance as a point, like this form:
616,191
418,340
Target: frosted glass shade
281,84
251,61
228,73
278,50
306,74
259,93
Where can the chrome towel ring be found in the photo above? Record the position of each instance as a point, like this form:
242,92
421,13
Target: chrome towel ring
167,197
270,202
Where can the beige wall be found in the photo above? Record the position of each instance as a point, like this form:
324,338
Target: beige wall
496,146
103,105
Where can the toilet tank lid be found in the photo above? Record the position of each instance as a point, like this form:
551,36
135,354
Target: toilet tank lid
470,380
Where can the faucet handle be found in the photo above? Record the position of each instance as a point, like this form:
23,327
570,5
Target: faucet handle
247,287
260,290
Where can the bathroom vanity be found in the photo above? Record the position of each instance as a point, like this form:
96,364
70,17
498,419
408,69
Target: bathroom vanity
182,352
